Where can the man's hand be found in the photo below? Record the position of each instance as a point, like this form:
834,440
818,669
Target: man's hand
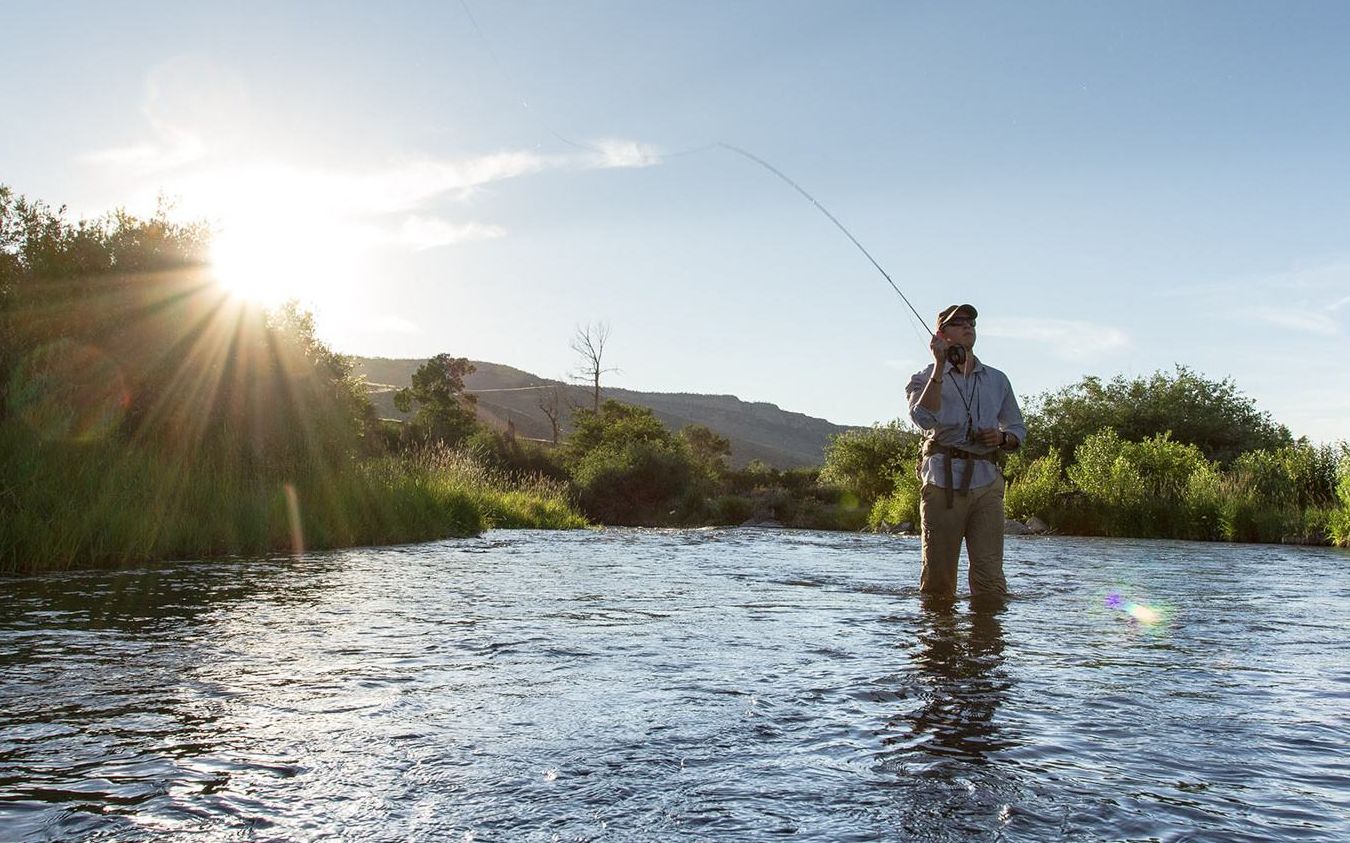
990,436
939,346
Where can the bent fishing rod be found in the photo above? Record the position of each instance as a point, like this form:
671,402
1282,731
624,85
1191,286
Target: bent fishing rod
956,354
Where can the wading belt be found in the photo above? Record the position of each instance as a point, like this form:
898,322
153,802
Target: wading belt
930,448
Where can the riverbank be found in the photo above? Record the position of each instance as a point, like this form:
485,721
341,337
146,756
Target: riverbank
70,505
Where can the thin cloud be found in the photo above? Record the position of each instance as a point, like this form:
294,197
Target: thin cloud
187,99
394,325
410,185
1316,321
1331,276
175,150
1068,339
618,153
422,232
196,113
372,196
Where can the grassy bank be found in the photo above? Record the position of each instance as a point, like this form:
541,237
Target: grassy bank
1161,488
64,505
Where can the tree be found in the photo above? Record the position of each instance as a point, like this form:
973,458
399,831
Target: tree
551,404
627,466
445,411
1212,415
615,425
707,447
114,327
60,279
865,461
589,342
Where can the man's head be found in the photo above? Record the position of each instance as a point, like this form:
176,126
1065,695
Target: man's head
957,324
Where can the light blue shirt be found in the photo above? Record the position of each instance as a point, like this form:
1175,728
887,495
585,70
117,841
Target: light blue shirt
989,396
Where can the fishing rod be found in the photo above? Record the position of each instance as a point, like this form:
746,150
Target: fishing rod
831,217
956,354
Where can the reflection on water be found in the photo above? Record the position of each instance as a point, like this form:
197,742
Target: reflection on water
664,685
958,666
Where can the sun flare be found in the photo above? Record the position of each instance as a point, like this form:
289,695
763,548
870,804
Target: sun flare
280,234
273,263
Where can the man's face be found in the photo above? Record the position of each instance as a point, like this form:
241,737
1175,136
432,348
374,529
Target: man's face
960,330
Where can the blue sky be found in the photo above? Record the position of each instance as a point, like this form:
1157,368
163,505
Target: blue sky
1117,186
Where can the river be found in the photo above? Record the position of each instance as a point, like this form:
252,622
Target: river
681,685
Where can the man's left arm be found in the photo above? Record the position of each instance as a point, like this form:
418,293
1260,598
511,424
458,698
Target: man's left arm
1010,419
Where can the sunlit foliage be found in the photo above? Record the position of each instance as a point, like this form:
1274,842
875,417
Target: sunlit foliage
866,462
1212,415
144,412
444,410
627,466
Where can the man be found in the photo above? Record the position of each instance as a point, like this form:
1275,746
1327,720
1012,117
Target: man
968,413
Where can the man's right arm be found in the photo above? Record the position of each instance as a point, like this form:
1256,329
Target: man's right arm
921,393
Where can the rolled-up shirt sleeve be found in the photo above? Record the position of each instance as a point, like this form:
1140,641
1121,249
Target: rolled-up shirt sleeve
923,418
1010,414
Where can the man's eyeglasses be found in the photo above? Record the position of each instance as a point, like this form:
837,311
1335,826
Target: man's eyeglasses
959,322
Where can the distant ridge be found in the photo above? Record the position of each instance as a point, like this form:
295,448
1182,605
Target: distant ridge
756,430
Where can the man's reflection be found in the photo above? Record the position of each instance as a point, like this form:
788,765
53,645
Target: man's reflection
958,668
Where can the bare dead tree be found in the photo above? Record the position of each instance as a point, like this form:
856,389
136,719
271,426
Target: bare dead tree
589,342
551,404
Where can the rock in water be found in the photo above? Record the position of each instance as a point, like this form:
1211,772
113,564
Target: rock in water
1037,527
1014,528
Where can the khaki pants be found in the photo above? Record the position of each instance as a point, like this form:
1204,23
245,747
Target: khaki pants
978,518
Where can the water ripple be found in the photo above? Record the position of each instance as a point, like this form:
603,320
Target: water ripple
664,685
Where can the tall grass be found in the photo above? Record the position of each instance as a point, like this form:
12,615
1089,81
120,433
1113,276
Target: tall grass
1036,488
1338,516
1160,488
900,506
64,504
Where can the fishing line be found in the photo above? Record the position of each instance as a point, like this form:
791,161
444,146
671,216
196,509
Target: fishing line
745,153
832,218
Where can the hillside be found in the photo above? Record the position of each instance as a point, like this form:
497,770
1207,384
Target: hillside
757,430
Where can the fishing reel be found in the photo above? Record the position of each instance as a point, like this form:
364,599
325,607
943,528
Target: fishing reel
956,355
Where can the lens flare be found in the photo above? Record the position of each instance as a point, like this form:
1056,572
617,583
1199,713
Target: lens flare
293,516
1143,614
65,390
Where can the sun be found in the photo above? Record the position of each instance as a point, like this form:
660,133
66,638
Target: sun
280,233
269,261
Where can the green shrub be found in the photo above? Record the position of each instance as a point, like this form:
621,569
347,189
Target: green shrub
867,461
901,505
639,483
1205,504
1263,494
1246,518
1338,520
513,455
730,509
1316,524
1213,415
1035,489
1311,472
1137,488
1338,526
811,513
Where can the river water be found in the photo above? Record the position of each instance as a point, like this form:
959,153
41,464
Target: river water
681,685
